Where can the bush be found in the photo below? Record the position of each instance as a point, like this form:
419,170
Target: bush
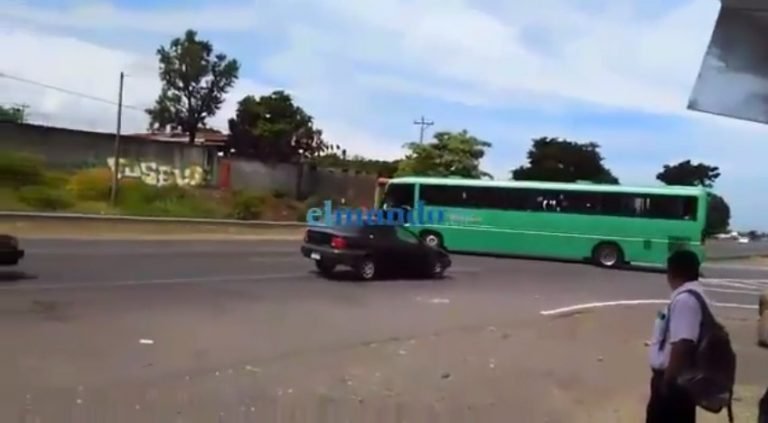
248,206
18,170
56,179
279,194
92,184
45,198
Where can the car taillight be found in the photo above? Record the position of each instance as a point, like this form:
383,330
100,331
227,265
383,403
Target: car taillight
338,243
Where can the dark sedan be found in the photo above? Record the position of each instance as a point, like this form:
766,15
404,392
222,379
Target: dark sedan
10,251
373,250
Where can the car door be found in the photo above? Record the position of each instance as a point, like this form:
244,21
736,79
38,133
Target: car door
410,249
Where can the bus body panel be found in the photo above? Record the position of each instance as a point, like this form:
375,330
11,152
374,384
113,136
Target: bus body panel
564,235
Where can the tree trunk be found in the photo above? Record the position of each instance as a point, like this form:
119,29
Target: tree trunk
192,135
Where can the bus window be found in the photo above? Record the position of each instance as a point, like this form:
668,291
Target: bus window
399,196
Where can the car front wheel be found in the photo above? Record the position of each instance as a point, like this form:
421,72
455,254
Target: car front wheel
437,269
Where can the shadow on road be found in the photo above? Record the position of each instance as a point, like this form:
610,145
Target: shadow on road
584,262
9,276
348,276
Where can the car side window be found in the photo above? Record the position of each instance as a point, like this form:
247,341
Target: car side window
405,235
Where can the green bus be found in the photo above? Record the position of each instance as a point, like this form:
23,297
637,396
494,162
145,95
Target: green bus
610,225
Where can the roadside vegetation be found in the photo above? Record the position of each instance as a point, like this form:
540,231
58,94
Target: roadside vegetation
26,184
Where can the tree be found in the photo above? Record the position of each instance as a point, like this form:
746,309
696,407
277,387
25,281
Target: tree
194,82
559,160
450,154
272,128
718,215
11,114
687,173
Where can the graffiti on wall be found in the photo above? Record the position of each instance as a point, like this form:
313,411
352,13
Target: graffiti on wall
156,174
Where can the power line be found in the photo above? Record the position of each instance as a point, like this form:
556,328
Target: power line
67,91
423,124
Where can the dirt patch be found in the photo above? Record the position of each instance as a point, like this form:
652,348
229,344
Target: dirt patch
590,368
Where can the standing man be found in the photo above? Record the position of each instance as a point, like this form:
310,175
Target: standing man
673,345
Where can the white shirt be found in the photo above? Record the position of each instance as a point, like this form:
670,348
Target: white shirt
686,315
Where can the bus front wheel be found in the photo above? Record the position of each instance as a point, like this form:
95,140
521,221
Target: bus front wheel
608,254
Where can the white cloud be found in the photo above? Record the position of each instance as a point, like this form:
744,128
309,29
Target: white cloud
169,20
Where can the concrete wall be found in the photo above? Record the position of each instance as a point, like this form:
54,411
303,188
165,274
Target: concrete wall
155,162
162,163
356,189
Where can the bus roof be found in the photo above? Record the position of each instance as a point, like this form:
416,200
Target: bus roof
660,190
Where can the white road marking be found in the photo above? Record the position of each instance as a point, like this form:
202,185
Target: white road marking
223,279
600,304
733,291
578,307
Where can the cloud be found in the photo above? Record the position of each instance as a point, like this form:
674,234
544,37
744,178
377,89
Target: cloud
167,20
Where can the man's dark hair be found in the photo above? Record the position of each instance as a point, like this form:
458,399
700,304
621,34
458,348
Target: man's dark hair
684,264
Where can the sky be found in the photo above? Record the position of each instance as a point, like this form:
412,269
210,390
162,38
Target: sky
615,72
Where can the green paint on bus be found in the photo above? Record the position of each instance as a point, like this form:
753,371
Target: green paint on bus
569,221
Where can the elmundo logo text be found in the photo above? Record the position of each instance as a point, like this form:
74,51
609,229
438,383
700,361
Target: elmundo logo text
419,215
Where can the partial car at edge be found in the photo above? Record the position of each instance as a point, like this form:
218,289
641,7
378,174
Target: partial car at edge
10,250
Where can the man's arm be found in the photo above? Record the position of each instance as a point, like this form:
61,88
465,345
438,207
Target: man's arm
684,329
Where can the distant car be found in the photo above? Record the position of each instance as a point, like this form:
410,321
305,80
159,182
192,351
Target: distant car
372,251
743,240
10,251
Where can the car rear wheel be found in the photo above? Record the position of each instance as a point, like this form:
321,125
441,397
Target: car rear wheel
324,268
608,255
366,269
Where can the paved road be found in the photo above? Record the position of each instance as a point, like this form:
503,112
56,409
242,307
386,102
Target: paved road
75,313
728,249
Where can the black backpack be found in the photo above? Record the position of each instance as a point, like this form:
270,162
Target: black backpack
711,379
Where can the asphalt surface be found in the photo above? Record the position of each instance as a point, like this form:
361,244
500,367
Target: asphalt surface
120,326
724,249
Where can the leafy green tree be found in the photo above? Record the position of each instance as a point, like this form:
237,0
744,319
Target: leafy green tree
450,154
559,160
11,114
194,83
274,129
687,173
718,215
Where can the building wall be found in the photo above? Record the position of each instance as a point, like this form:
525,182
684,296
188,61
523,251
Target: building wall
155,162
161,163
356,189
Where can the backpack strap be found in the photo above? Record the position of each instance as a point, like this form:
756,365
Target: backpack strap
707,318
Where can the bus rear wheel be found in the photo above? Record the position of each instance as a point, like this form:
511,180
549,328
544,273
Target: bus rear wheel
433,239
608,254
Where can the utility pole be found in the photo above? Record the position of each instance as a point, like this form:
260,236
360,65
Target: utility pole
116,155
424,124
